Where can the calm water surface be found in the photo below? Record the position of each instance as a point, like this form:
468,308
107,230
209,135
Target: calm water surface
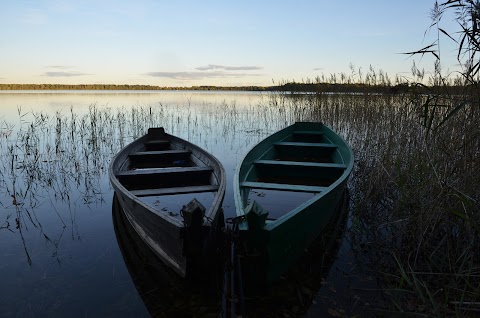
58,248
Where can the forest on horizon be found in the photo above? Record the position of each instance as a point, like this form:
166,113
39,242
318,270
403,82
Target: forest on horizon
285,87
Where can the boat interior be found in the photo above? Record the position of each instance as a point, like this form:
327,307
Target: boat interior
305,161
293,170
162,167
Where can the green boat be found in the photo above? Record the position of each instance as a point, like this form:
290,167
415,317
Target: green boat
286,190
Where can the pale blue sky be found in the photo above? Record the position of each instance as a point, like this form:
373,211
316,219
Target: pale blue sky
185,43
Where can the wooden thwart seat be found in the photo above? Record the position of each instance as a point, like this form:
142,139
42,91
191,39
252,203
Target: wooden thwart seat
160,159
308,132
156,142
301,164
282,187
165,177
163,171
176,190
169,153
305,144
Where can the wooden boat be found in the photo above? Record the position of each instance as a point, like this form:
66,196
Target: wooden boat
161,181
286,191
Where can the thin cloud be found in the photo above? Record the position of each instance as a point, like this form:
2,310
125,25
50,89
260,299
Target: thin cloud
64,74
60,67
228,68
319,69
34,16
197,75
62,6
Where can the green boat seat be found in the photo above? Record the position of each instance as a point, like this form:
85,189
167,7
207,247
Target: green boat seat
304,144
301,164
282,187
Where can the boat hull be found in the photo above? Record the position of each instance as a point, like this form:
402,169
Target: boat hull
277,244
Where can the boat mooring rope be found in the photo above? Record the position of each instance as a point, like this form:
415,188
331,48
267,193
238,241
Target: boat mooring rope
233,297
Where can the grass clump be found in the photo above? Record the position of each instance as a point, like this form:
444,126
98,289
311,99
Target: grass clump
417,212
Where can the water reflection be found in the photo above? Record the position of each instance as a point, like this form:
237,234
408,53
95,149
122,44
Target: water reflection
296,291
164,293
55,236
53,164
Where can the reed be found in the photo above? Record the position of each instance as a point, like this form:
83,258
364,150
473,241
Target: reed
415,200
51,162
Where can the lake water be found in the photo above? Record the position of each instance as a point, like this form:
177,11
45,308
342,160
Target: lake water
59,254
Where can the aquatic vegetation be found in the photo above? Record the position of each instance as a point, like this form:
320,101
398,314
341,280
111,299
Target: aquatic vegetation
414,206
415,201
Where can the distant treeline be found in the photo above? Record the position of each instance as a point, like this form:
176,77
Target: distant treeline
369,88
337,88
286,87
123,87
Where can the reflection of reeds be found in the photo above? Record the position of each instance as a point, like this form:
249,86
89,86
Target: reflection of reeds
164,293
50,163
305,281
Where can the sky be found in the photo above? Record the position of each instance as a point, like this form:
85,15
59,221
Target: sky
224,43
